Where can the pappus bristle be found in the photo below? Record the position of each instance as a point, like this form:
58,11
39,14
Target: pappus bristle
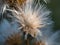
32,19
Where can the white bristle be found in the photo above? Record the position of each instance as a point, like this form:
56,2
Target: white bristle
33,18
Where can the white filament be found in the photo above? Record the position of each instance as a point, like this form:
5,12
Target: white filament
35,15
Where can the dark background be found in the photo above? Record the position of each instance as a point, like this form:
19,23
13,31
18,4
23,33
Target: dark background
54,6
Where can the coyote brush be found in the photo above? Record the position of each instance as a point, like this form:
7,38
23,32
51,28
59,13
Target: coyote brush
28,21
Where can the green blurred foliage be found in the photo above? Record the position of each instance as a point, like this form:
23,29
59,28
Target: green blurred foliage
54,6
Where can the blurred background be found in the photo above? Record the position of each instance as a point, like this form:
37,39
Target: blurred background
54,6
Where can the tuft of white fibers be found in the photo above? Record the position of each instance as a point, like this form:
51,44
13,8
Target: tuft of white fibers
47,1
32,19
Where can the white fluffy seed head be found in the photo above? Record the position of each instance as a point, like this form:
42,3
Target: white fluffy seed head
32,18
30,22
